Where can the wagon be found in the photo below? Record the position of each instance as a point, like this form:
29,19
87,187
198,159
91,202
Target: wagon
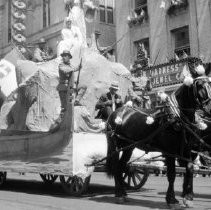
57,153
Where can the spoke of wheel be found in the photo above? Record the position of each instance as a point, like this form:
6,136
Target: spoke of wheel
76,187
138,177
134,180
125,176
68,180
129,179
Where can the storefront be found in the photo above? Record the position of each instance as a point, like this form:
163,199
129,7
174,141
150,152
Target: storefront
166,77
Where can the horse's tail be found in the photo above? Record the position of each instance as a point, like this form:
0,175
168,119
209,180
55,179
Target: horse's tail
112,156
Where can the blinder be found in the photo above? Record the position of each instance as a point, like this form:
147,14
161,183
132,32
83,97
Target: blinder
202,91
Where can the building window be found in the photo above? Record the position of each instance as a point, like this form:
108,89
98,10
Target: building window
142,54
9,20
46,13
141,8
102,11
181,42
142,48
106,11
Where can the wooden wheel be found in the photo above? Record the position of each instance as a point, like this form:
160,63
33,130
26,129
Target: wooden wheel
48,178
75,185
135,178
3,176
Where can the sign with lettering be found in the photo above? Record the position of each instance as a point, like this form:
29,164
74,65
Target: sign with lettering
167,74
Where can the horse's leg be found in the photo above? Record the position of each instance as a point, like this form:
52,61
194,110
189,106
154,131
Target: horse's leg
120,192
171,175
187,193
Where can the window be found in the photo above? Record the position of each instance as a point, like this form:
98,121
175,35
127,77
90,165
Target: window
181,42
106,11
46,13
142,49
142,54
141,8
9,20
110,14
102,11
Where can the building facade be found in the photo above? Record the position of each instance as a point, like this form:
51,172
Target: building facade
168,29
44,18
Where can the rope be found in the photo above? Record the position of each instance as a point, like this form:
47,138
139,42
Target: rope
201,154
110,47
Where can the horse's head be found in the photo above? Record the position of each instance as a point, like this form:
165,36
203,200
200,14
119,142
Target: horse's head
202,93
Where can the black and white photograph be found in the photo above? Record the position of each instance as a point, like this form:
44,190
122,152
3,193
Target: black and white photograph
105,104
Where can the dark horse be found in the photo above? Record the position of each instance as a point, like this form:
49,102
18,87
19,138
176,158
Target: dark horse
127,128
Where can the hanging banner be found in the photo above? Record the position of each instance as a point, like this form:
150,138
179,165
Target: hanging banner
166,74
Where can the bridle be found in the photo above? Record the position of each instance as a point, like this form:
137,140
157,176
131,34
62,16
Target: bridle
204,103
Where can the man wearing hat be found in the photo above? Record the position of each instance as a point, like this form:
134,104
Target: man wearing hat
40,53
109,102
65,73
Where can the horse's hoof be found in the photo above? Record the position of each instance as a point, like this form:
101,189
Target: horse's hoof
175,206
120,200
188,203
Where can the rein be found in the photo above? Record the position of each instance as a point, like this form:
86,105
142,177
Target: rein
187,121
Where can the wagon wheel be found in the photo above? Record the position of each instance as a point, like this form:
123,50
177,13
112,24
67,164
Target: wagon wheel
135,178
74,185
48,178
3,176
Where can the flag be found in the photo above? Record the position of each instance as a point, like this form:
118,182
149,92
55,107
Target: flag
8,81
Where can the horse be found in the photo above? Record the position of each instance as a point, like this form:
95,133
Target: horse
171,133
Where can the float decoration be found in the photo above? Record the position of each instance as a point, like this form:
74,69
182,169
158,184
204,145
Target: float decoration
176,5
18,32
135,19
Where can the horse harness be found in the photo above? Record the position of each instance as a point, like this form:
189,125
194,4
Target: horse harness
145,143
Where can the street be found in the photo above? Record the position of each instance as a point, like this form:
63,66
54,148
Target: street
28,192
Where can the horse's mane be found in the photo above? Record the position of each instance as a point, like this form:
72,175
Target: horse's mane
185,99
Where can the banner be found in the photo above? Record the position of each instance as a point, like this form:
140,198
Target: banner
167,74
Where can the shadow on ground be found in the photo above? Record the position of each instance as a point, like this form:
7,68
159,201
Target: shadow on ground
40,188
196,195
132,202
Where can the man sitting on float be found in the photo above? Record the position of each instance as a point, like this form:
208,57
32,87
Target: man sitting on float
40,53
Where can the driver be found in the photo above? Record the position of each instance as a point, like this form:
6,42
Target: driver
109,102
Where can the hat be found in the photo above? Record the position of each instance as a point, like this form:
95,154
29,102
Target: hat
114,85
66,52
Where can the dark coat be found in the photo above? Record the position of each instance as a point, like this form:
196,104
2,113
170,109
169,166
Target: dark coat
105,101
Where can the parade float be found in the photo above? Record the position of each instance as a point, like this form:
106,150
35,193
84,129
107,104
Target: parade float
30,143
